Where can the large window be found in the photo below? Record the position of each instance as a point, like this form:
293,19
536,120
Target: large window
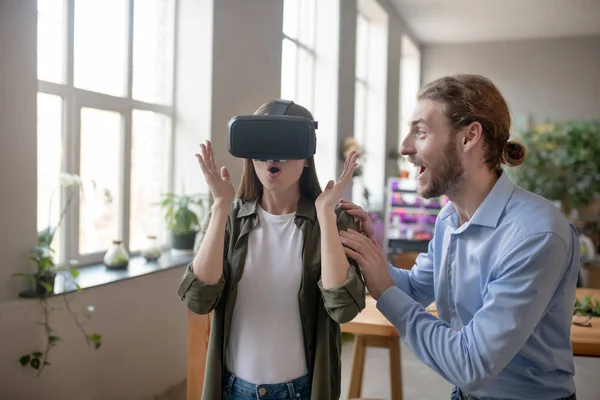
370,102
105,111
299,52
410,79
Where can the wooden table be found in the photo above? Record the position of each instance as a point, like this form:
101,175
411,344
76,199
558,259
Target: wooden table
373,329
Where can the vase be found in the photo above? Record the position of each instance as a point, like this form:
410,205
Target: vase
183,243
116,256
152,251
44,284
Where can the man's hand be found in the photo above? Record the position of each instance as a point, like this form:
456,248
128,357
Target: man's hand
370,259
361,217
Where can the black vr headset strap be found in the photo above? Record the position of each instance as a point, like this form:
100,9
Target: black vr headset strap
280,107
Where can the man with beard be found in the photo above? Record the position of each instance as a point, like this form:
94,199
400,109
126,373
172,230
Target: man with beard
502,265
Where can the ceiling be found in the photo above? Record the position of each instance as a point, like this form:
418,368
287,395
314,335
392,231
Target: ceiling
457,21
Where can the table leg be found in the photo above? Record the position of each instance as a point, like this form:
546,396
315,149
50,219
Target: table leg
395,368
358,366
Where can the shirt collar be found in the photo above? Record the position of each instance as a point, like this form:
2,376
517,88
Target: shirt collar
489,211
306,208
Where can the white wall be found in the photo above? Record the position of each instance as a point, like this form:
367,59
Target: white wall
246,66
18,164
553,79
144,329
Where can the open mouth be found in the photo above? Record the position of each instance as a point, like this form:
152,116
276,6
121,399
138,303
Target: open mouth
422,169
274,171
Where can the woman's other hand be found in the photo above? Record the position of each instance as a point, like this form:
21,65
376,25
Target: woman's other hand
218,182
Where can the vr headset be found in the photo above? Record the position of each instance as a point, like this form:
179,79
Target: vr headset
272,137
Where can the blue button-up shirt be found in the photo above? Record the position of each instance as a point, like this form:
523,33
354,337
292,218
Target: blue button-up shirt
504,286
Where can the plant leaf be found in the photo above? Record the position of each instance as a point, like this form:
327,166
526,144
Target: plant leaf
95,337
45,236
35,363
54,339
46,286
37,354
25,360
74,273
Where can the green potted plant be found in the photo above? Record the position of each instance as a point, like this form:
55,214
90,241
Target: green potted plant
561,162
43,278
183,215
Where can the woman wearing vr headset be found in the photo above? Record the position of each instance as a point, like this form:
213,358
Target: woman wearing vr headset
273,270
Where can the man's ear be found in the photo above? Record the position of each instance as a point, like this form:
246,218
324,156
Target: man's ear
472,135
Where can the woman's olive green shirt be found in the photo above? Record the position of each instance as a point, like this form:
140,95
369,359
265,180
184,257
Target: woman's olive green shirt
321,310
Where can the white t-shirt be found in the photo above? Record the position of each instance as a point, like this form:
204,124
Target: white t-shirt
266,344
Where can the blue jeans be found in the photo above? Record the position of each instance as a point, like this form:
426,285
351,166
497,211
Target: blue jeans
235,388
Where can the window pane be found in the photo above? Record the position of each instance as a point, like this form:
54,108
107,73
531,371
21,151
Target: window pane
360,116
362,47
290,17
151,147
101,46
308,15
154,23
51,38
100,174
288,70
306,65
49,160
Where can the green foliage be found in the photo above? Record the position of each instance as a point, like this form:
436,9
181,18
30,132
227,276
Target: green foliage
562,162
42,282
183,212
587,306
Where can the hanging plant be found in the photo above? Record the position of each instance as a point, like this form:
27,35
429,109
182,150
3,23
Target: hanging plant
43,279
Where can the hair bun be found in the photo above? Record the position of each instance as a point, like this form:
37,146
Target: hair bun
514,153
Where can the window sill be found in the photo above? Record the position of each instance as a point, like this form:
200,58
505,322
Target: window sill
98,274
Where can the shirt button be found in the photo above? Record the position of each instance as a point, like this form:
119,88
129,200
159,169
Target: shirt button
262,391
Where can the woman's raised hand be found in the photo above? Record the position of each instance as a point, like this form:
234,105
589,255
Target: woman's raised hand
218,182
334,191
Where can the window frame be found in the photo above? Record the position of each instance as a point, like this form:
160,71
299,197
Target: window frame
300,46
74,99
364,82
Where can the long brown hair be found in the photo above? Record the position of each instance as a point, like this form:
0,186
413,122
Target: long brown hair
251,188
474,98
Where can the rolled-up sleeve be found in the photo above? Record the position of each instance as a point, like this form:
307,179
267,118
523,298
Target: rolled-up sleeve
200,297
344,301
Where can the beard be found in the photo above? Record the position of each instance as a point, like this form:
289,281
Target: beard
445,176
